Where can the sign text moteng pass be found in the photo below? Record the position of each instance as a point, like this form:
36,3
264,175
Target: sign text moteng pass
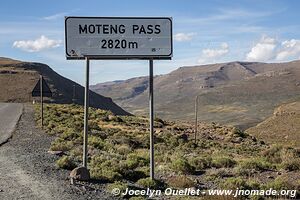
118,38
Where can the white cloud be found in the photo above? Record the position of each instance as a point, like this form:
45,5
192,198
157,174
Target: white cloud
211,55
264,50
269,49
55,16
181,37
39,44
289,49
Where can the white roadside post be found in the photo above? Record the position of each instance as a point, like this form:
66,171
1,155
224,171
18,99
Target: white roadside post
111,38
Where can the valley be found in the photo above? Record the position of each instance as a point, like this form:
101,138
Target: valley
236,93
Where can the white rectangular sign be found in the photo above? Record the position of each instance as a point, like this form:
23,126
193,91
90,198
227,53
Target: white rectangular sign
118,37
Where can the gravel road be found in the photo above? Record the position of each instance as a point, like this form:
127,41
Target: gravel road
28,171
9,115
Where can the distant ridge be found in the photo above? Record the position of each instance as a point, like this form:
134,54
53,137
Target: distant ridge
235,93
18,78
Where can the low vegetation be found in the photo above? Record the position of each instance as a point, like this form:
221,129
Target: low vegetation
222,157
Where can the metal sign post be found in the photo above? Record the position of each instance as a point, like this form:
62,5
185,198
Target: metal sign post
151,118
42,106
41,89
86,112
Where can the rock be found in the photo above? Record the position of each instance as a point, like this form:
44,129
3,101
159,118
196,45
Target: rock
114,118
72,182
184,137
159,131
80,173
279,173
237,140
253,139
111,117
58,153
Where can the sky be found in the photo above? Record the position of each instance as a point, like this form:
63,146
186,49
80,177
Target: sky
204,32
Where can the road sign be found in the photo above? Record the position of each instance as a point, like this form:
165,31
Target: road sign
41,89
36,92
118,37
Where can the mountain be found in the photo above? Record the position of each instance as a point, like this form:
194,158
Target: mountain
236,93
282,127
17,80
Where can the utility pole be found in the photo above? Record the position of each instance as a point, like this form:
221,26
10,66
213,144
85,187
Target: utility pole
196,118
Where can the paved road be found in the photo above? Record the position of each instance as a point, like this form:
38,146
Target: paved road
28,171
9,115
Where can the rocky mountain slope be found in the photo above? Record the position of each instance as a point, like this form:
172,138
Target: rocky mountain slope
281,128
17,79
236,93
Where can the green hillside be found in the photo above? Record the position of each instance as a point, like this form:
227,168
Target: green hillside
223,156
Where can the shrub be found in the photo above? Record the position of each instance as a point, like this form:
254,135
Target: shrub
181,182
134,175
279,184
69,134
220,162
287,157
123,149
61,145
235,131
201,163
255,164
182,165
156,119
253,184
76,153
273,154
137,198
218,174
291,165
144,169
96,142
66,162
233,183
107,166
133,160
105,174
117,184
149,183
93,125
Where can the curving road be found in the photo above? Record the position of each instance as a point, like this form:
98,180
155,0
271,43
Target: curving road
9,116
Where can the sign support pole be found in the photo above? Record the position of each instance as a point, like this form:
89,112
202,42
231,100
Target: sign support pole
151,118
196,118
86,110
42,104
